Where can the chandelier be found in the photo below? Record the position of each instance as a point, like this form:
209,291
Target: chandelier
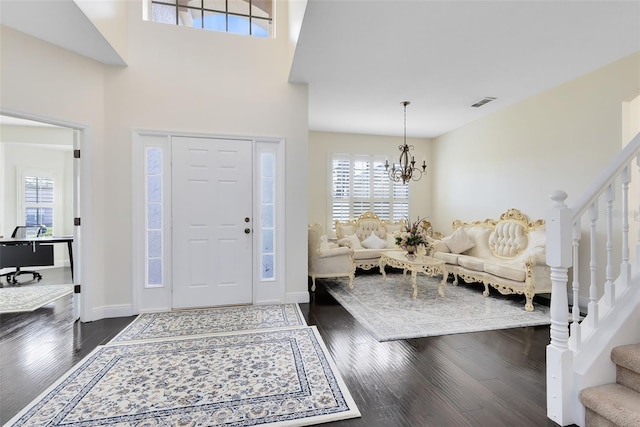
405,171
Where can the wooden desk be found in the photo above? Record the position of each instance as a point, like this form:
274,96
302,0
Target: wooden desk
32,252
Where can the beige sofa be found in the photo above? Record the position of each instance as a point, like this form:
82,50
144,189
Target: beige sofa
507,254
368,236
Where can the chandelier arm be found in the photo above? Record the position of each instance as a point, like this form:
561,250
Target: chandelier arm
417,177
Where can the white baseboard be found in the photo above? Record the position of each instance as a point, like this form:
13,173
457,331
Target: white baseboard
297,297
108,312
267,302
126,310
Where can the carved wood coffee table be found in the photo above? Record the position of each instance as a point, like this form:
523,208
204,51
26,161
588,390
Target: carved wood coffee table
419,264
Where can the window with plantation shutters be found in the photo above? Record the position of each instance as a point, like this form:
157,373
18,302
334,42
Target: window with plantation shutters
360,184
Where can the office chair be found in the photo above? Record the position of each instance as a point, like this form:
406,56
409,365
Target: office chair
25,232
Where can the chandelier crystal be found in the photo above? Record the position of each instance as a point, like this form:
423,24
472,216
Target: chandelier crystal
405,171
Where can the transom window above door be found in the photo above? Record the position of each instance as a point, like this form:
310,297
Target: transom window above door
247,17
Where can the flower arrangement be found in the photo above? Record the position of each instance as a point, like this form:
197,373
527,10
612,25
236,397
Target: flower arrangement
414,235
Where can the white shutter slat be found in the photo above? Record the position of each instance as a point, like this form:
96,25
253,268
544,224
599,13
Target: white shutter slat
360,184
361,179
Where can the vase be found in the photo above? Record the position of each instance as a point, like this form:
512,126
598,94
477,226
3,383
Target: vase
411,250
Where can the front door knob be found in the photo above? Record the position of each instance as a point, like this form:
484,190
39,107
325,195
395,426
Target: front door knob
247,230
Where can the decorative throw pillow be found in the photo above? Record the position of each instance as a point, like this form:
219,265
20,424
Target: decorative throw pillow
374,242
354,242
391,241
440,246
459,241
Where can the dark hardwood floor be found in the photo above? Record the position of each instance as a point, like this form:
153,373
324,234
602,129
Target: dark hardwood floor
37,348
493,378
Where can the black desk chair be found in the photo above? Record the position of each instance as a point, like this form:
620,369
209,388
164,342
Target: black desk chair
25,232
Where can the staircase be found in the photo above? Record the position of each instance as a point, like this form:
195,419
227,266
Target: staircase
593,360
616,404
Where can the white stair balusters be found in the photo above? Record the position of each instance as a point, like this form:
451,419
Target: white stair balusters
576,354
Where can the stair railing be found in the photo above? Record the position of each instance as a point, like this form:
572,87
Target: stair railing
564,232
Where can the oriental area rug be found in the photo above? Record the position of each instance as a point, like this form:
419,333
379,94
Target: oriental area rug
18,299
280,376
185,323
388,311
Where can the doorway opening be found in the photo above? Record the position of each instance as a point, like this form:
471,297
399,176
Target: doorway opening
43,155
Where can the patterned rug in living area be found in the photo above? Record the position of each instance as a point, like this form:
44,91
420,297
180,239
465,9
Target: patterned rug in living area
184,323
275,377
388,312
18,299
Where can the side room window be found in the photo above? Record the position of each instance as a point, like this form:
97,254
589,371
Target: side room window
360,184
38,200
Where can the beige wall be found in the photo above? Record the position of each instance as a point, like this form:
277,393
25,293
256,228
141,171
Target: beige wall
560,139
177,79
323,144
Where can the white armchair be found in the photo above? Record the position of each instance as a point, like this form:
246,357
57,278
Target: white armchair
329,261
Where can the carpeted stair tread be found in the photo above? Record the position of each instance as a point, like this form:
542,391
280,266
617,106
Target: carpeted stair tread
616,403
627,356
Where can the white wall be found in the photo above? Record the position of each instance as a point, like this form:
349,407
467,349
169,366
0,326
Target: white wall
21,153
560,139
45,81
323,144
177,79
47,141
110,19
29,157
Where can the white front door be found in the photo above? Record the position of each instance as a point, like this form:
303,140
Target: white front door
212,222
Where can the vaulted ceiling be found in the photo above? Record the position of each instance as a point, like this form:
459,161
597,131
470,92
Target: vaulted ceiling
362,58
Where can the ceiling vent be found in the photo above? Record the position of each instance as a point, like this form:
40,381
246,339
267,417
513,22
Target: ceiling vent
483,101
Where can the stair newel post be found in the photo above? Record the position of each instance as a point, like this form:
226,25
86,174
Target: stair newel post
559,355
625,266
592,308
609,286
575,309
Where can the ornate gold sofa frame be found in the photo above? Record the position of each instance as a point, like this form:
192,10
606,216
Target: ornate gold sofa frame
507,254
362,228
